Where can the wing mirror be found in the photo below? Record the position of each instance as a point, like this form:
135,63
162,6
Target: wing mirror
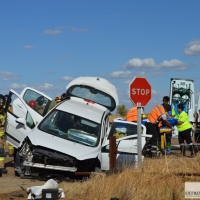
21,121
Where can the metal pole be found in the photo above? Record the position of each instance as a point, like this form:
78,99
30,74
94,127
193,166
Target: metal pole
112,152
139,137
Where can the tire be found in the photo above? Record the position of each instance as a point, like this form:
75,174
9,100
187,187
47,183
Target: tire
18,164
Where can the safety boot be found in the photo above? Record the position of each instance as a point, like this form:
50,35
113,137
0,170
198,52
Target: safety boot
182,150
147,150
193,151
3,170
153,151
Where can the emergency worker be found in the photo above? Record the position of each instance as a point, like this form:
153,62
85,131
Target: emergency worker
2,132
155,118
58,99
169,115
166,101
41,101
132,114
32,104
39,109
184,131
10,147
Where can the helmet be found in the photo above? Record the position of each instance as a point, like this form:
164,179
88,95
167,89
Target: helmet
58,99
32,103
2,100
6,98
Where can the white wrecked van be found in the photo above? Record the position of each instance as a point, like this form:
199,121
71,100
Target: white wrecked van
73,135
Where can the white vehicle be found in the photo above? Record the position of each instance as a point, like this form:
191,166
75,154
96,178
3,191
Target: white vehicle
73,135
182,91
198,108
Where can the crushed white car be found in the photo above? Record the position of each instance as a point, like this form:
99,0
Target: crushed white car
73,135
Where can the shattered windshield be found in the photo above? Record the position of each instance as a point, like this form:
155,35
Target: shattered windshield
71,127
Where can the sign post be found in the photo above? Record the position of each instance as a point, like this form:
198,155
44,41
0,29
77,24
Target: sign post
140,95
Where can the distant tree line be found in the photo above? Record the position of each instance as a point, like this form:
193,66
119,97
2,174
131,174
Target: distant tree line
121,110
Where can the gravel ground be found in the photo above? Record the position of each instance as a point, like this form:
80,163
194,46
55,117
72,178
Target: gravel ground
13,187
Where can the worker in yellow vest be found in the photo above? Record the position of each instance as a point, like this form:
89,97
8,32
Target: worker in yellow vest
2,132
184,131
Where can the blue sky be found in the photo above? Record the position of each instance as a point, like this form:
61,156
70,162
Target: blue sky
45,44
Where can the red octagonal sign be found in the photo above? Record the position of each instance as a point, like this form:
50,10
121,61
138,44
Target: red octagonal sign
140,91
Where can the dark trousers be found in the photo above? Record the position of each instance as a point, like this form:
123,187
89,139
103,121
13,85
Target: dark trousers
153,130
168,137
185,136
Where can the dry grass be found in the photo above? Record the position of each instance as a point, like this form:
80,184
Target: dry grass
115,116
156,180
159,179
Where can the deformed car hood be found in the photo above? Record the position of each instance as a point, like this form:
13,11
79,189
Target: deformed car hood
79,151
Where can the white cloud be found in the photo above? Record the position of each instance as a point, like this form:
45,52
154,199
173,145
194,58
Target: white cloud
128,74
127,82
28,47
66,78
193,48
78,29
149,64
8,76
17,86
46,86
121,74
139,64
49,89
42,87
54,32
173,64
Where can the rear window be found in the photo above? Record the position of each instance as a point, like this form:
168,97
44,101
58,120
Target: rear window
120,129
92,94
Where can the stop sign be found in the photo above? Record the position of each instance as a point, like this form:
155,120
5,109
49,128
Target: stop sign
140,91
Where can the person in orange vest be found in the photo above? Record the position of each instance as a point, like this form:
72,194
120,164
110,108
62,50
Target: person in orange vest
132,114
155,118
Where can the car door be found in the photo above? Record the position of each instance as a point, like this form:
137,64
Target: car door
126,143
21,118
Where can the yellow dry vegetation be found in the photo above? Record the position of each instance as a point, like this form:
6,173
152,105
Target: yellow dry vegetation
111,117
158,179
